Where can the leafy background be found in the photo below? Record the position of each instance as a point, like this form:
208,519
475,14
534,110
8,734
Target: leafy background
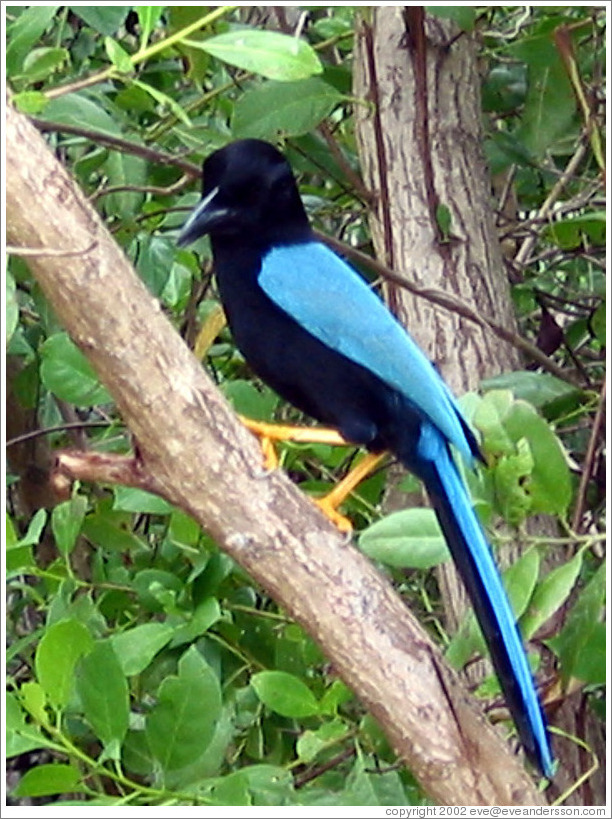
144,667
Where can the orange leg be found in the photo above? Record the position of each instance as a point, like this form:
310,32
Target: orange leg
329,503
268,433
284,432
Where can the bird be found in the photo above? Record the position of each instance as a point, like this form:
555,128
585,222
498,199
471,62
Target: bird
313,329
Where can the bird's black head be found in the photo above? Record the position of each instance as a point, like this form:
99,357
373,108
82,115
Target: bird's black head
249,193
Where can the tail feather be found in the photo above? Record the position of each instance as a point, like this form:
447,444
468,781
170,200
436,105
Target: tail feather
475,564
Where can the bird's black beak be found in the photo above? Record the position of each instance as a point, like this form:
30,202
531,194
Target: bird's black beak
206,217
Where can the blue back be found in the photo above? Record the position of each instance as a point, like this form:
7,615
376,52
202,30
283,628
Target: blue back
331,300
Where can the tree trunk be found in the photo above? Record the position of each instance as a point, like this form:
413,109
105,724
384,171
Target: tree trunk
421,153
193,451
420,145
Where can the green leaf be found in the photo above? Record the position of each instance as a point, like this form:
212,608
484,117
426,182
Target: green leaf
19,555
182,724
103,690
247,399
510,476
31,103
213,758
464,15
109,530
148,18
444,219
285,694
136,754
205,615
513,429
197,63
311,743
118,56
127,171
376,738
24,32
21,737
599,324
408,539
40,63
12,307
372,788
590,664
538,389
489,417
232,789
288,109
46,780
503,149
10,536
183,529
550,106
66,521
359,788
270,785
34,700
18,560
580,625
273,55
260,785
28,739
154,263
549,485
505,88
82,112
35,529
129,499
136,647
575,232
158,589
336,695
62,645
550,594
104,19
519,582
67,374
165,100
14,716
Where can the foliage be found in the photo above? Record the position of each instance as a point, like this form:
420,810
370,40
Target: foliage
142,661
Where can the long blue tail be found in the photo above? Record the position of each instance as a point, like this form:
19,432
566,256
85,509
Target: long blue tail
475,564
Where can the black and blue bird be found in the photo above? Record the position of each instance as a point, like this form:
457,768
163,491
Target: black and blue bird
316,333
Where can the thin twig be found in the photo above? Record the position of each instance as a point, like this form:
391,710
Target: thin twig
452,303
314,773
587,469
119,144
37,433
176,187
356,181
526,248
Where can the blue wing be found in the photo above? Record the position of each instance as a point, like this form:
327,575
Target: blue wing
476,566
330,300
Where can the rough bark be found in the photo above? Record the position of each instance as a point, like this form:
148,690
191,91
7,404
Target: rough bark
420,144
421,148
193,451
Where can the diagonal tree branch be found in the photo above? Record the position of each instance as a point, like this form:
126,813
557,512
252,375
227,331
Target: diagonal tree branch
193,450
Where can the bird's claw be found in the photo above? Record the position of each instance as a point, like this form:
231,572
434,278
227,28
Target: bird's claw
342,523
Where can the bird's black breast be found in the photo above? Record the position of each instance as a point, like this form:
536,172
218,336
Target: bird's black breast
301,369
